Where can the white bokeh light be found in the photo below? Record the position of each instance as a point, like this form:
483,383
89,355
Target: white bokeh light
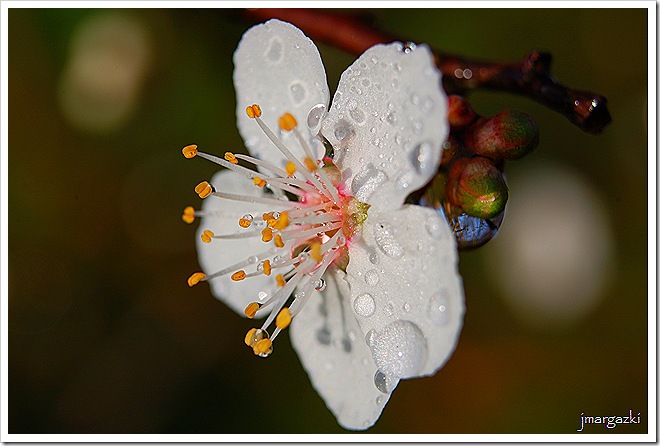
553,255
108,60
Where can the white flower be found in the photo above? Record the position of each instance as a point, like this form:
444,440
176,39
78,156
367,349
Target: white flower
370,284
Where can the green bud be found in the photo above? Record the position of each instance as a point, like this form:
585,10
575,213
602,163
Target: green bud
477,186
508,135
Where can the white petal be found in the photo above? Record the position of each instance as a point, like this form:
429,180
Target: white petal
279,68
406,292
220,254
387,124
332,349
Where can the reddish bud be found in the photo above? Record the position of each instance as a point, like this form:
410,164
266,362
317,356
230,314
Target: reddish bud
459,113
508,135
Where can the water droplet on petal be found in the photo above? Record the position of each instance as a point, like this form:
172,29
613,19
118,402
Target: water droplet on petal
406,307
379,400
315,116
371,277
366,182
384,236
252,259
343,130
298,92
409,47
434,227
358,116
320,284
438,308
364,305
373,258
420,158
389,309
400,349
384,383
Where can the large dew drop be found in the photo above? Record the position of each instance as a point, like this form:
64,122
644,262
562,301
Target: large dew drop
384,236
315,116
366,182
400,349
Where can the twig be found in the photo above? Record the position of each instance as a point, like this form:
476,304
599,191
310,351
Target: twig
530,77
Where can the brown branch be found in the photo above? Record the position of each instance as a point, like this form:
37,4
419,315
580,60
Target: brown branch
530,77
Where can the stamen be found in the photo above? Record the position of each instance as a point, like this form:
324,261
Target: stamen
261,163
255,335
190,151
204,189
245,221
231,158
259,182
238,276
290,168
278,241
310,164
263,348
283,319
315,251
188,214
266,235
252,309
207,235
253,111
287,122
282,222
195,278
252,199
279,279
267,267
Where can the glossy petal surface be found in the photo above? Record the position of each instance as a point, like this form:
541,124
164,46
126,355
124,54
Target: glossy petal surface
332,349
279,68
387,124
406,292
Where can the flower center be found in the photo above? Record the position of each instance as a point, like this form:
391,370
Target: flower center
304,236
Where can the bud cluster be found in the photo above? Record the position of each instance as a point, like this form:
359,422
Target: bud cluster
470,187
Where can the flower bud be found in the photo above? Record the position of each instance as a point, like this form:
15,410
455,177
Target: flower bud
476,185
459,112
508,135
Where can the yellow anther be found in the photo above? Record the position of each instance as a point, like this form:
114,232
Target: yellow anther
282,222
252,309
290,168
244,223
315,251
280,280
287,122
250,337
278,241
263,347
253,111
271,222
207,236
231,158
283,319
266,235
188,214
238,275
189,151
310,164
204,189
259,182
267,267
267,216
195,278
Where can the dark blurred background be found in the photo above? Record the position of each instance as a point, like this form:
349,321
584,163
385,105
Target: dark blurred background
105,336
